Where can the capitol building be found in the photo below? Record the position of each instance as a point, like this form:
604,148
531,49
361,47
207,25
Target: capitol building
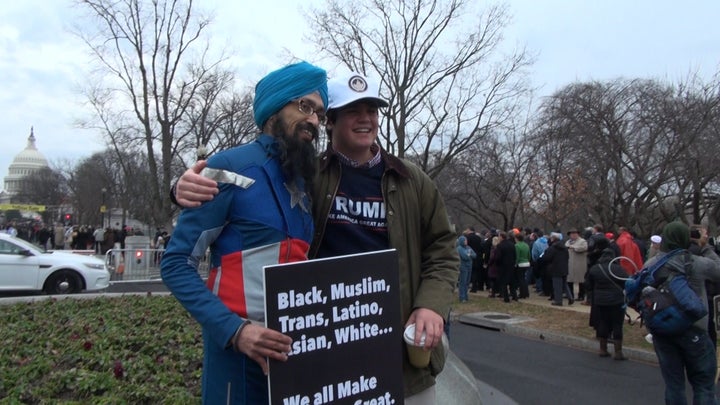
28,161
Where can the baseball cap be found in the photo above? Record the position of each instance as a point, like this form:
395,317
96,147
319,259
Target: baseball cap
352,87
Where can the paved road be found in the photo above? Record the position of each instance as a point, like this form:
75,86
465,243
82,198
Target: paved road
536,372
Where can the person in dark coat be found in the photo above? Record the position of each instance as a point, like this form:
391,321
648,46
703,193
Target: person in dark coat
505,260
492,269
556,260
608,300
476,244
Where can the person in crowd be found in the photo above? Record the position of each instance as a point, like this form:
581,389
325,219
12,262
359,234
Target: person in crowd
492,268
271,216
59,236
530,239
485,254
99,238
44,235
654,249
70,237
690,354
613,243
593,254
596,233
607,311
475,242
641,244
522,265
505,260
538,248
632,260
556,261
109,241
577,266
10,229
355,166
698,246
467,255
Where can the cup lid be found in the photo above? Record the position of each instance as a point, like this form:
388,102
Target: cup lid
409,335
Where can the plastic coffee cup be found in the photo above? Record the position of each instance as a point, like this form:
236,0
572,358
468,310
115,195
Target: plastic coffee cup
419,357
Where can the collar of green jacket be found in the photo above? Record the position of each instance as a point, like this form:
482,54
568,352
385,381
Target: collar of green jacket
391,162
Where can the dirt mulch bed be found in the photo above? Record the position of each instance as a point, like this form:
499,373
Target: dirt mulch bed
557,320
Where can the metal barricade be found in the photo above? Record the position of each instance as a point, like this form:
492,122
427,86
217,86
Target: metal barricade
140,264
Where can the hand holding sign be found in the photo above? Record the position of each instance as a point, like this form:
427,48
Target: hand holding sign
260,343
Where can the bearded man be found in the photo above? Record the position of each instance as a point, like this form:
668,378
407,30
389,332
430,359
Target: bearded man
260,216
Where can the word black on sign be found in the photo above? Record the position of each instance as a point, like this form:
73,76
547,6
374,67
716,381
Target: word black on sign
343,314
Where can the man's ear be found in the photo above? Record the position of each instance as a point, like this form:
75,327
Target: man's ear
267,128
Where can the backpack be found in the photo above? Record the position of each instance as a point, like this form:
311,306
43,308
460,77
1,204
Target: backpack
666,307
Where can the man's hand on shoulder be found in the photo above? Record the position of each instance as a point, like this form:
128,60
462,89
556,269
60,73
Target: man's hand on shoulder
192,188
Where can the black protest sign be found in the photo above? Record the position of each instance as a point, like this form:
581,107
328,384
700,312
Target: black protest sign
343,314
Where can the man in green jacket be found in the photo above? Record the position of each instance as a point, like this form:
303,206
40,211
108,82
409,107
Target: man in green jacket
404,211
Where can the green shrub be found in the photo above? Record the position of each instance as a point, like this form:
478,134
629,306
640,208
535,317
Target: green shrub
130,349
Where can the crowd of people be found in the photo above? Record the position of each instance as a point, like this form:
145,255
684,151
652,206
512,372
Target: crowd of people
592,267
75,237
509,262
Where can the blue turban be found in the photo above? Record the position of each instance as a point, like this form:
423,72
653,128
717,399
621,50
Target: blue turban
289,83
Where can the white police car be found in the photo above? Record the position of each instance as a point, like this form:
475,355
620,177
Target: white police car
23,266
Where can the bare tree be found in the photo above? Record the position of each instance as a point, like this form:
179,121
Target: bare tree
217,119
488,184
153,64
45,187
125,189
447,86
635,142
694,115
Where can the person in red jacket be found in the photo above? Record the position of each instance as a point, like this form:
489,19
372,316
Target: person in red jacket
630,250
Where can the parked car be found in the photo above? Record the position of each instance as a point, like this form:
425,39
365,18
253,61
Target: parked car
24,266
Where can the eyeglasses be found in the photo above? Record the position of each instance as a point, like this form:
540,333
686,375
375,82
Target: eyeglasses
309,109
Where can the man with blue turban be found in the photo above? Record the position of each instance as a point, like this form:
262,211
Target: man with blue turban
260,216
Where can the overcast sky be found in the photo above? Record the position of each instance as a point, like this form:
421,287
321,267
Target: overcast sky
575,40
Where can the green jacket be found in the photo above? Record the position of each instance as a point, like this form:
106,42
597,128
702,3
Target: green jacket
418,227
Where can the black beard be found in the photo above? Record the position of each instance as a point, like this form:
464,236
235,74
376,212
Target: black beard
297,157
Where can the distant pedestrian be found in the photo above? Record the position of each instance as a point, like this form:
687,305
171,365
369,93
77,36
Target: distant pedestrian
654,249
59,238
475,242
505,260
467,255
607,311
99,239
522,265
633,259
556,260
577,266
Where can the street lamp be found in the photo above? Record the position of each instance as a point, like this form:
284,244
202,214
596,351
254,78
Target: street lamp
102,207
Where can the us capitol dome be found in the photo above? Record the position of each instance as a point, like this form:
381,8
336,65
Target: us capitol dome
29,161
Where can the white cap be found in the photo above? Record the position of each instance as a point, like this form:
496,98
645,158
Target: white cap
656,239
352,87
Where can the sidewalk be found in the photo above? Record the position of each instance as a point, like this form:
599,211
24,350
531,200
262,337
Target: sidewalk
515,326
